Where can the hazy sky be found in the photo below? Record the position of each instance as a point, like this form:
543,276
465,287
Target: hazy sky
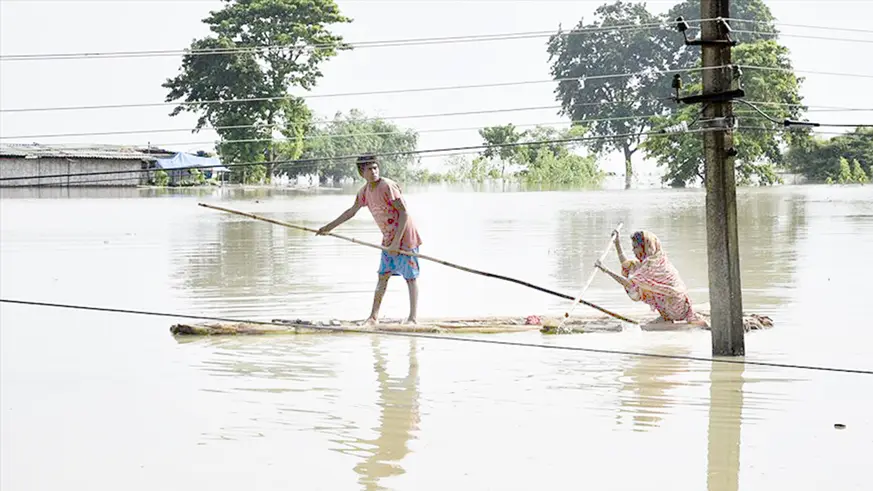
61,26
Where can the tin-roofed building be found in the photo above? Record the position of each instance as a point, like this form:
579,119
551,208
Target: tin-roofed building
76,165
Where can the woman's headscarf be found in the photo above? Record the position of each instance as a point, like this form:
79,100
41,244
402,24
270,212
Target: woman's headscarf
650,243
656,274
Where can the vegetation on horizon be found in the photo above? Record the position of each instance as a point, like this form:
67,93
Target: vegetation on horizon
273,50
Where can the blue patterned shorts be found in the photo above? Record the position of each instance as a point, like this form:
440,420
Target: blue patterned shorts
399,265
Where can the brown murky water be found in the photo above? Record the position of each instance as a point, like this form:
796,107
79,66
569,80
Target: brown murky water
110,401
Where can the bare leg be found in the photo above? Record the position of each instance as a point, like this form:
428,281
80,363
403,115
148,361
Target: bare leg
413,301
377,299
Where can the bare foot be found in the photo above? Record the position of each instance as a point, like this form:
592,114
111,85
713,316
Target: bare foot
371,321
411,321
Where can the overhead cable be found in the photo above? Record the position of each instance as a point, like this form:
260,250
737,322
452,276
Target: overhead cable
326,328
580,79
392,118
385,154
354,45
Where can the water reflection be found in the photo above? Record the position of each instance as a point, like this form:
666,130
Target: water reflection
646,388
399,418
725,421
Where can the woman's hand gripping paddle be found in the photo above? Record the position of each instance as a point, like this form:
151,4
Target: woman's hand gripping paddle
612,237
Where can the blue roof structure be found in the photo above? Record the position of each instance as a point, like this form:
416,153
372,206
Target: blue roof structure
184,160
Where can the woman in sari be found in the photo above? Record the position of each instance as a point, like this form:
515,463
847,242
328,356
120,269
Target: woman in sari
652,279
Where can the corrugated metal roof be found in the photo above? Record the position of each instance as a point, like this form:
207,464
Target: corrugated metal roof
114,152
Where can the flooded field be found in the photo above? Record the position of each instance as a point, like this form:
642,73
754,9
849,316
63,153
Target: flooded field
98,401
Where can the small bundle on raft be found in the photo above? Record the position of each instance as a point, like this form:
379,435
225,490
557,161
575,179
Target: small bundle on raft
484,325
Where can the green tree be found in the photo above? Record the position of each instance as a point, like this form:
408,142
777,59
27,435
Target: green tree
819,159
844,176
858,174
759,142
462,169
542,154
260,49
619,104
494,137
350,135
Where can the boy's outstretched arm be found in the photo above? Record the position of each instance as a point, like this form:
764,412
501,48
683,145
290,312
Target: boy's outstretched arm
344,217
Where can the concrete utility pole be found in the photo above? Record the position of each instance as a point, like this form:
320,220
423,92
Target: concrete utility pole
725,292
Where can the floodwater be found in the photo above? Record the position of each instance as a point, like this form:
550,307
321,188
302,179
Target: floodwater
107,401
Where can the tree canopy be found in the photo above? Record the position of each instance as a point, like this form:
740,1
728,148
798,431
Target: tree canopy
819,159
258,52
549,162
758,141
352,134
624,108
613,107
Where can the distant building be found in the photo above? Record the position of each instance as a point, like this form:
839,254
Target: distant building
27,165
179,166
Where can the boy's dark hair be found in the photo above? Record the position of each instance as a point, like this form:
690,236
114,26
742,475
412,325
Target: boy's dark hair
363,160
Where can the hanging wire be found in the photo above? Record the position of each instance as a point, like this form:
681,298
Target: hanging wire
447,338
395,118
352,157
375,92
789,122
388,133
425,89
332,46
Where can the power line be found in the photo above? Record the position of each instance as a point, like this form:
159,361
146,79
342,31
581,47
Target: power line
354,45
352,157
509,36
810,72
447,338
788,122
580,79
452,129
460,150
421,41
324,122
802,36
377,92
802,26
399,132
393,118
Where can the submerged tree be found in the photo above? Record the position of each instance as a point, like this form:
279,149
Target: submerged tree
614,107
820,159
542,155
259,51
350,135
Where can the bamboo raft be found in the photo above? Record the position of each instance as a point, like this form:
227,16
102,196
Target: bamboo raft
612,322
484,325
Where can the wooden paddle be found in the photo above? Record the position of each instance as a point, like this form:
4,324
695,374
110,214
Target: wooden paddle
591,276
422,256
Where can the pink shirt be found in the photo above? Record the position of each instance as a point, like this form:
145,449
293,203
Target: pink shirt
379,199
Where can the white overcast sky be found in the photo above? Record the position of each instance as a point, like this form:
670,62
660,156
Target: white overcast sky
61,26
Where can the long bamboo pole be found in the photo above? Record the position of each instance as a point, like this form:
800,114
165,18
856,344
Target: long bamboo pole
422,256
590,277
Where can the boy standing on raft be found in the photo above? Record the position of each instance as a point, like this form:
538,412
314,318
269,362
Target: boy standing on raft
385,201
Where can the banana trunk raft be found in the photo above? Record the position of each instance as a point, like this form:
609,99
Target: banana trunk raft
484,325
